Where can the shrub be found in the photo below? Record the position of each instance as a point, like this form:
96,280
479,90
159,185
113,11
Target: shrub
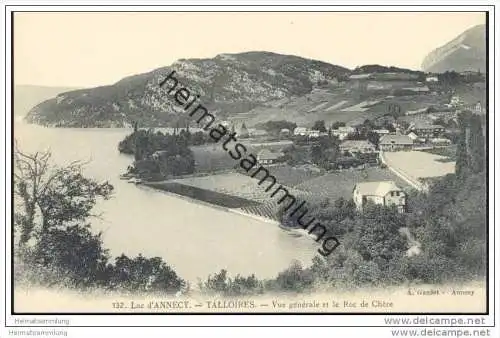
222,284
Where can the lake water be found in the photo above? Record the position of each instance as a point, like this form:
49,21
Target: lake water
195,239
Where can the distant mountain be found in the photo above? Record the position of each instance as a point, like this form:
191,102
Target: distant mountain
467,52
27,96
228,83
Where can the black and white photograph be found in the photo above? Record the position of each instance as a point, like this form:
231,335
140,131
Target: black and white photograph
250,162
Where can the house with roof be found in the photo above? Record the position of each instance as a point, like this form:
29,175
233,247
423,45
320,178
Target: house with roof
300,131
417,111
346,129
420,89
455,100
159,154
381,131
475,108
357,146
427,130
440,142
285,132
256,132
226,124
413,136
343,132
243,131
395,142
385,193
266,156
340,135
313,133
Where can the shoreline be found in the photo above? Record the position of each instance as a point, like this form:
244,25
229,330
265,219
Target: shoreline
236,211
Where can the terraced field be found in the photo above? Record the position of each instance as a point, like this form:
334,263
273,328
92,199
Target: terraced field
234,184
250,197
331,186
267,210
209,196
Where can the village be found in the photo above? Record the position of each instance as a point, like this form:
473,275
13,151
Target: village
379,160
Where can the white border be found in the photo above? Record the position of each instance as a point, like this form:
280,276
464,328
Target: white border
240,320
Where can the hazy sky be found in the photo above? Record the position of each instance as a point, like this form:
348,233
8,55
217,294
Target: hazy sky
90,49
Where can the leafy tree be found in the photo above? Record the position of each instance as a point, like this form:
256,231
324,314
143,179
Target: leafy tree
373,137
74,251
221,283
324,150
244,131
462,162
57,246
337,124
440,121
295,278
449,79
144,274
274,127
377,236
319,125
174,157
198,138
471,151
49,196
294,154
476,145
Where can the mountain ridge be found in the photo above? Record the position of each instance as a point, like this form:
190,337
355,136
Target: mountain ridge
466,52
228,82
27,96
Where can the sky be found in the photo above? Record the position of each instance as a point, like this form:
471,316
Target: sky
92,49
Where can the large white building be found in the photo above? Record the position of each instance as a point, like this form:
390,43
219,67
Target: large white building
382,192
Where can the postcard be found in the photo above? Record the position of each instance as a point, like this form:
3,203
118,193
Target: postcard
250,162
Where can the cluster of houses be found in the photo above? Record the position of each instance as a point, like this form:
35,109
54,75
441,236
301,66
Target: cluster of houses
457,103
416,135
303,131
340,132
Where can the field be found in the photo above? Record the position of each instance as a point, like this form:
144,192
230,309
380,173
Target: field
238,190
449,153
341,183
231,190
212,157
420,164
332,186
286,174
348,103
233,184
204,195
320,104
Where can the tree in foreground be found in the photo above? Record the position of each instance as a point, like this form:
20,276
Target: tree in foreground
55,245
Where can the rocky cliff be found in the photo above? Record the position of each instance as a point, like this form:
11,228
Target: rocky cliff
467,52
